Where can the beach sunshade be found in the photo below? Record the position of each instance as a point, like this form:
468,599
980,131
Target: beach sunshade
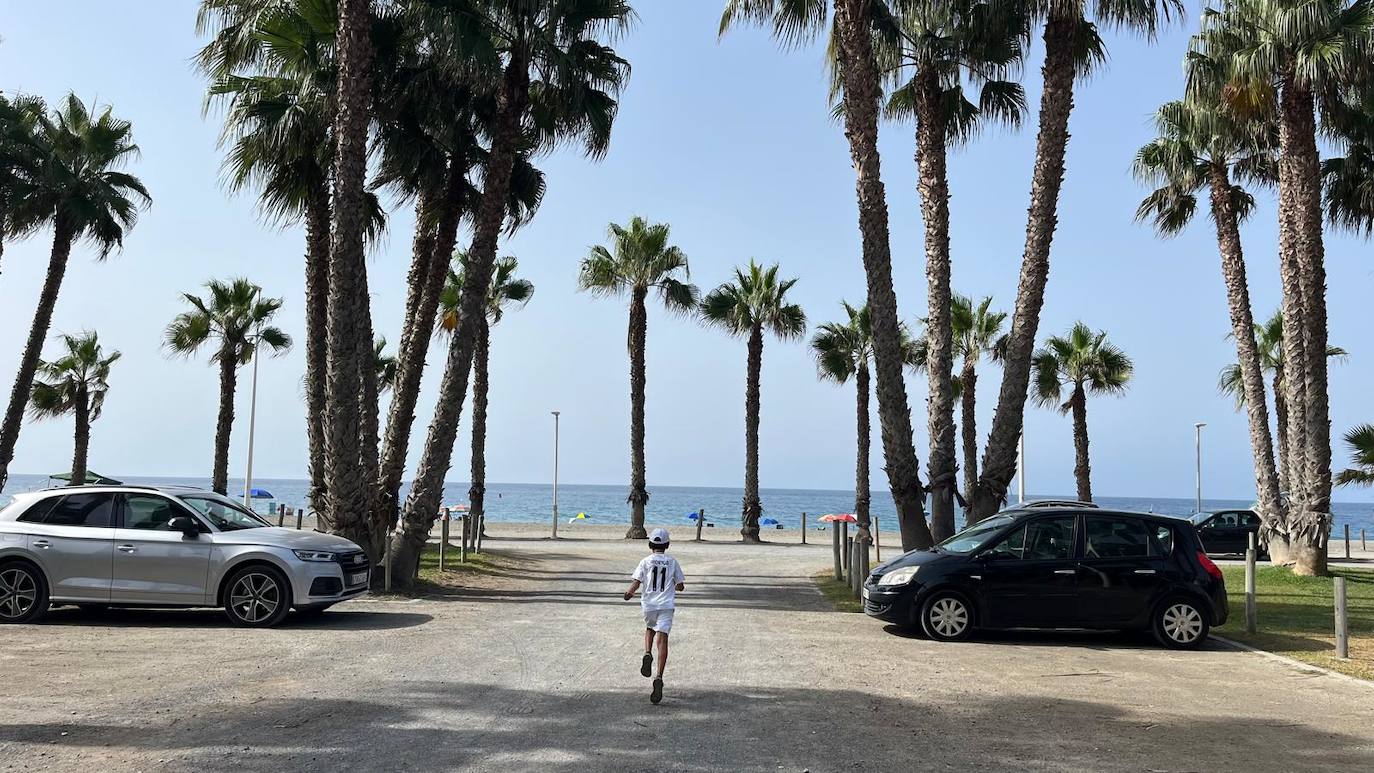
839,518
260,493
769,522
92,478
693,516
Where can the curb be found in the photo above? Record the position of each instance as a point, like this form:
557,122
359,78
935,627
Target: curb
1293,662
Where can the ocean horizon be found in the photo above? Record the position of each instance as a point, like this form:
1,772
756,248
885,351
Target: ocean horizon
606,504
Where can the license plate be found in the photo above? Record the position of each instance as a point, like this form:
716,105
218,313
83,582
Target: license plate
358,578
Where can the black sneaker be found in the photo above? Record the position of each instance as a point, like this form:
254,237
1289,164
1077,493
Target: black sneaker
657,694
646,668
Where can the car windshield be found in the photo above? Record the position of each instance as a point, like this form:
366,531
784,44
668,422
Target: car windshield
224,513
975,536
1197,518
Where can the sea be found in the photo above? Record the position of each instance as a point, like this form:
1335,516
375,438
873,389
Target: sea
533,502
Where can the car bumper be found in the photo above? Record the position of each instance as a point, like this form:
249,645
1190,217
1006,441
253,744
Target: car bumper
893,605
325,582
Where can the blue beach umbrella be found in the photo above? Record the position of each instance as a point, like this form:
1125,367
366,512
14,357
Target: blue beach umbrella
769,522
260,493
693,516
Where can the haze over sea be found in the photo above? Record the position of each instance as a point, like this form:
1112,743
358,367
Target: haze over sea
532,502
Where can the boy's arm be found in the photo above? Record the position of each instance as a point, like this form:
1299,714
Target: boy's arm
630,592
680,578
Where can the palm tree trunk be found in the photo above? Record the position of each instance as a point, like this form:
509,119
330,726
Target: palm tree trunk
862,90
477,490
639,493
228,373
82,438
33,348
862,496
753,508
968,420
429,266
1247,353
1082,470
1281,425
933,186
349,335
1056,102
1303,275
427,492
316,345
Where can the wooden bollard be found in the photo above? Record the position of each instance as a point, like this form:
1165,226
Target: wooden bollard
1251,611
877,541
481,525
443,539
701,520
281,515
835,548
463,540
854,563
1342,633
849,560
844,542
1347,541
386,578
1362,547
803,529
300,515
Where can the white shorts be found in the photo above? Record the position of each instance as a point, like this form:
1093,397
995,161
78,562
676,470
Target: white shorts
659,620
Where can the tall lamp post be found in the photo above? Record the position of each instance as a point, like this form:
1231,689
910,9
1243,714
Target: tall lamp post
1021,468
555,474
1198,428
252,410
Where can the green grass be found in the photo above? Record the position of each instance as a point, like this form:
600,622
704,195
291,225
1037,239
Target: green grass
455,573
837,592
1295,616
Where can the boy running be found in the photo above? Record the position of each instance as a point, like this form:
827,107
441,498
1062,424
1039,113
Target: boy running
660,575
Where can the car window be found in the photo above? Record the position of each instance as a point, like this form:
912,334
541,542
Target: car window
91,510
39,510
1227,519
1249,519
1041,539
1115,538
149,513
224,513
975,536
1164,539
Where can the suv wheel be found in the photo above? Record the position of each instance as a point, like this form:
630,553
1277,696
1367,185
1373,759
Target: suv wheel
947,617
23,593
257,597
1179,623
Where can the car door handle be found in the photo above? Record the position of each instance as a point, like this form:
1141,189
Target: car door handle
42,543
128,549
1144,571
1066,571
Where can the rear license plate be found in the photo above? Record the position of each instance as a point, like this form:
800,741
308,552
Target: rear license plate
359,578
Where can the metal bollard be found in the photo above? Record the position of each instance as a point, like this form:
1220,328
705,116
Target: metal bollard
1342,633
1251,611
443,540
835,548
803,529
701,520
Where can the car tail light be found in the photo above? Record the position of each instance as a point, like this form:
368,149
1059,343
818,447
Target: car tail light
1209,566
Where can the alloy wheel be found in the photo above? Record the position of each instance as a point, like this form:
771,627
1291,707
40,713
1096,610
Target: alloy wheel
948,616
255,597
1182,623
18,593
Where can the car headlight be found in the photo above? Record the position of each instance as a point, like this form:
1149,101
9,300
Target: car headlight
314,555
898,576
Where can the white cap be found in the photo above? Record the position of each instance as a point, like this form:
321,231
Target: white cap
658,537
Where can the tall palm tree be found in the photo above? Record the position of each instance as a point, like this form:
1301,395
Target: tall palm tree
753,304
1360,441
1269,347
1296,56
843,351
1085,362
80,191
1073,49
557,77
639,260
505,290
235,316
939,45
1201,143
859,76
21,153
75,383
1348,179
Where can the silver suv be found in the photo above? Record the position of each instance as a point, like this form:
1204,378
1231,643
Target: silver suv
97,546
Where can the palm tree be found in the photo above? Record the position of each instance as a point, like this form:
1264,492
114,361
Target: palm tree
639,260
1073,49
938,45
1200,143
559,78
74,383
385,366
1348,180
753,304
505,289
1360,440
80,191
235,315
1086,362
1269,348
843,351
21,153
1296,57
857,69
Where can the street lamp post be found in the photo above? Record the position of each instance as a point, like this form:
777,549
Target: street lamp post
555,474
252,411
1198,428
1021,468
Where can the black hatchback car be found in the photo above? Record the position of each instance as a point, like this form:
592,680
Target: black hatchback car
1228,531
1065,568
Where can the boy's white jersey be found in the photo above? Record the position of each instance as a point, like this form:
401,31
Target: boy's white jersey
658,575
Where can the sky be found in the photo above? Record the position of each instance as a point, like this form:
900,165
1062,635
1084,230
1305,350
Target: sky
730,140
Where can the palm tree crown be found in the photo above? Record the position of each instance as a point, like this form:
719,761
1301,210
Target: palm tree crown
1082,359
81,374
1269,341
505,289
756,299
638,260
841,348
235,314
1361,443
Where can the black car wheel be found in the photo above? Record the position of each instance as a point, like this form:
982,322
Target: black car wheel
257,597
23,593
1180,623
947,616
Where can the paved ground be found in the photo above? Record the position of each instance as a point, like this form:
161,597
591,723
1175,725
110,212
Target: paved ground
538,670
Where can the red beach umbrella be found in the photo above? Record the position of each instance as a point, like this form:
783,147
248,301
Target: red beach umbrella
839,517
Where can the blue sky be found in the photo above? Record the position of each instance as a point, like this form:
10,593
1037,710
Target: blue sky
731,142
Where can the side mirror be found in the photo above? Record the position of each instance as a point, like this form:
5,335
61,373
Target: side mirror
186,525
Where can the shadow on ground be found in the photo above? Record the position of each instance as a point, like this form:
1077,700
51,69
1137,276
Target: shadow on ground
432,726
350,619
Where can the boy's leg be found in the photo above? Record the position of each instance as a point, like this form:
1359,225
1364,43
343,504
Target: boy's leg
647,664
662,639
